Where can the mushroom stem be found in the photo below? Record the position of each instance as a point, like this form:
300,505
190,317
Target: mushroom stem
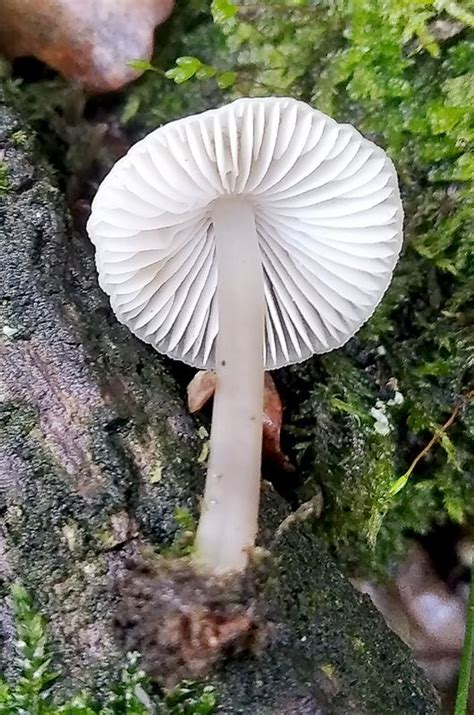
229,515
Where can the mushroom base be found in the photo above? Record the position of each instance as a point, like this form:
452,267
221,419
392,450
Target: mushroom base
183,621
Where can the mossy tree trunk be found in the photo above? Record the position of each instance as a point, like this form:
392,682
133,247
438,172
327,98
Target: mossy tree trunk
97,452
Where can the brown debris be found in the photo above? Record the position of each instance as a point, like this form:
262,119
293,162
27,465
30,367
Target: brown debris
201,389
182,622
89,42
272,420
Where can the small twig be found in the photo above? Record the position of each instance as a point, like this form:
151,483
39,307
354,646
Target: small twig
438,433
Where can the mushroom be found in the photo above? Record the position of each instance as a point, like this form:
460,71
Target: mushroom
242,239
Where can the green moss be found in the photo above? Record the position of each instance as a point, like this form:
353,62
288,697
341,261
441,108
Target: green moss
4,180
17,419
131,694
191,699
183,542
20,138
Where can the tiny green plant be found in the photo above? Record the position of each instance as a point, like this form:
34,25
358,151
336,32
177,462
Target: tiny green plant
129,694
190,699
187,68
192,67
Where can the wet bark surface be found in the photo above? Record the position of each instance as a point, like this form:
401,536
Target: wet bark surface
96,453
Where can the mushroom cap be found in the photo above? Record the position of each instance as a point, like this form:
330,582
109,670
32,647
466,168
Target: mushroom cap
328,216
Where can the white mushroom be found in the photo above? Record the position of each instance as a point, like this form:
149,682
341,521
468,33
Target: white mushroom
247,237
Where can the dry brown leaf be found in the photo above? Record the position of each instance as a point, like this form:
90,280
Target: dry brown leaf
201,389
272,419
90,41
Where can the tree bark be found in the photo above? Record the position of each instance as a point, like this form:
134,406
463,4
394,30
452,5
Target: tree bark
96,453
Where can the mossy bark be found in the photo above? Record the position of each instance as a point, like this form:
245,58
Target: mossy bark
97,452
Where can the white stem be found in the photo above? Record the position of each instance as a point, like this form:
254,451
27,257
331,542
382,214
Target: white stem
229,514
